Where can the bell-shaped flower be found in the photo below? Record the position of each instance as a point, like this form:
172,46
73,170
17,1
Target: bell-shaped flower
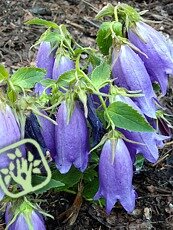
48,133
45,59
115,176
9,134
159,61
62,64
147,143
129,71
97,126
71,139
27,218
43,131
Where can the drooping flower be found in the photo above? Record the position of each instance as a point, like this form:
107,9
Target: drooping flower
97,126
72,140
158,62
43,131
9,134
115,177
150,141
130,72
27,218
62,64
48,133
45,59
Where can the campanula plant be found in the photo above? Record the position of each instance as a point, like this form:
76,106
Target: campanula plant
93,110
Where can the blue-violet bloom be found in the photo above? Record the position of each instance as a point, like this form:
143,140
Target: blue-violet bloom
45,59
129,71
115,177
159,61
27,218
71,139
9,134
62,64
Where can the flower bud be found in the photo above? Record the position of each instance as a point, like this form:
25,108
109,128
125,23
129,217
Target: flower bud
71,139
45,59
27,218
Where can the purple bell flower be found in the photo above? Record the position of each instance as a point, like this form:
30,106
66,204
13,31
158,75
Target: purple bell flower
62,64
48,133
45,59
9,134
72,139
149,141
115,177
130,72
27,219
159,62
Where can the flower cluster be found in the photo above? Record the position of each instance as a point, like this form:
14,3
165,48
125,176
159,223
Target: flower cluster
76,100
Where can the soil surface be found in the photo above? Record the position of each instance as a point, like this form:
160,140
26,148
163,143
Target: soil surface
154,206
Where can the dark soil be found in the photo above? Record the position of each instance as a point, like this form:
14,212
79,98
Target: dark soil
154,206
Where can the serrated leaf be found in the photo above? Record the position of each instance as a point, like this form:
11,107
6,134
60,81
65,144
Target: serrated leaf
69,179
11,156
27,77
107,10
4,171
100,75
104,38
7,179
36,171
47,82
66,78
52,183
42,22
36,163
124,116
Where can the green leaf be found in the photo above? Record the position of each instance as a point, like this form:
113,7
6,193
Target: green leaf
66,78
104,38
42,22
100,75
90,189
3,73
107,10
139,162
47,82
124,116
69,179
90,174
36,179
27,77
